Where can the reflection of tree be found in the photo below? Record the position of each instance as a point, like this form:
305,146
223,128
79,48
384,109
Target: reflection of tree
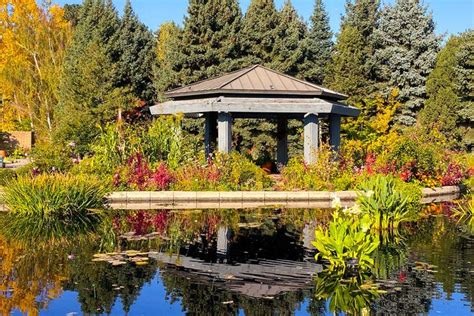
31,275
413,295
99,284
439,242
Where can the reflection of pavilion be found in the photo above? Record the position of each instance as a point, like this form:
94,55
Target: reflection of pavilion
252,277
268,278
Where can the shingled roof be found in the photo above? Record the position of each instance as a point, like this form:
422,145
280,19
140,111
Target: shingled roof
254,80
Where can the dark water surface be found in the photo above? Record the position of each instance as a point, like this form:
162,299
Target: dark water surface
236,262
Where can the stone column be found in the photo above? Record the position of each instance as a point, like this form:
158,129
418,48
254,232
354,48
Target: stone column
282,141
335,131
210,132
311,137
223,235
224,126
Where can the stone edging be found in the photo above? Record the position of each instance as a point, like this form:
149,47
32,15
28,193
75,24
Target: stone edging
203,199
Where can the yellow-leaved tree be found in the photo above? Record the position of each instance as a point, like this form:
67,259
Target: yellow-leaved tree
33,38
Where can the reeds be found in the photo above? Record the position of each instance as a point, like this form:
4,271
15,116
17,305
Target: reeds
52,206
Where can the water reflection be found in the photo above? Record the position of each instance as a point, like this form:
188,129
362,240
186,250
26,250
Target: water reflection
255,262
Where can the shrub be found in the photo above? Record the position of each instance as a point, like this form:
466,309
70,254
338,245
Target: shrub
138,175
225,172
50,157
52,206
6,175
387,201
328,173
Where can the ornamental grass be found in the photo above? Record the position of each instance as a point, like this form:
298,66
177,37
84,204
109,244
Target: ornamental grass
52,206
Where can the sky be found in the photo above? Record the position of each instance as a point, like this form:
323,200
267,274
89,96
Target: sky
450,16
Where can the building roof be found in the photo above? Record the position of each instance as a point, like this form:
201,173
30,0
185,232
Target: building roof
254,80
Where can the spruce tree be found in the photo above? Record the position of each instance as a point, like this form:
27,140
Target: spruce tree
351,68
209,43
88,96
259,32
449,106
406,48
134,45
288,49
168,56
464,87
317,46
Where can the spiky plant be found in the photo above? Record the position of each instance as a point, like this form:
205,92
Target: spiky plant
52,206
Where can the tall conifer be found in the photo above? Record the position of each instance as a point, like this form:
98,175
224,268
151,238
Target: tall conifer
135,55
351,68
288,50
317,46
406,48
450,107
210,43
259,32
88,95
168,58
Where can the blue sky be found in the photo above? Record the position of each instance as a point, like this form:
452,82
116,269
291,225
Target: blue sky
451,16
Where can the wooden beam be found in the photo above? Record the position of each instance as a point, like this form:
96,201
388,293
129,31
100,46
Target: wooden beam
254,105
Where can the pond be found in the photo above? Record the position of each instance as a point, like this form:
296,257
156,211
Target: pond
236,262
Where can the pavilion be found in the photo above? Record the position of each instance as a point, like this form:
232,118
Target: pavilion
260,92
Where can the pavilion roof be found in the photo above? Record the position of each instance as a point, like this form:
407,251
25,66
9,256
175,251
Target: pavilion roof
254,80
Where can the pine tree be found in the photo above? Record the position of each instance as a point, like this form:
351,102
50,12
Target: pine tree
347,72
464,86
449,106
288,49
259,32
135,55
406,48
351,68
209,43
317,46
88,95
168,55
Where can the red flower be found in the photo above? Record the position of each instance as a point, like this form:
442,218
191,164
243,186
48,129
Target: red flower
162,177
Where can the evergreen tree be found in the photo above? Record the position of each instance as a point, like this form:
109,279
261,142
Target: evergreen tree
347,72
449,107
288,48
168,54
259,32
317,46
134,45
88,96
464,86
72,13
210,43
406,48
351,68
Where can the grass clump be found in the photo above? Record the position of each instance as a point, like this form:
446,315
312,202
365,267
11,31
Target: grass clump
52,206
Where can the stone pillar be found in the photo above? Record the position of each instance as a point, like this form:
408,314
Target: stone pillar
282,141
224,126
210,132
335,131
311,137
223,235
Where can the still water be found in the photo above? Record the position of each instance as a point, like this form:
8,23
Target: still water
236,262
